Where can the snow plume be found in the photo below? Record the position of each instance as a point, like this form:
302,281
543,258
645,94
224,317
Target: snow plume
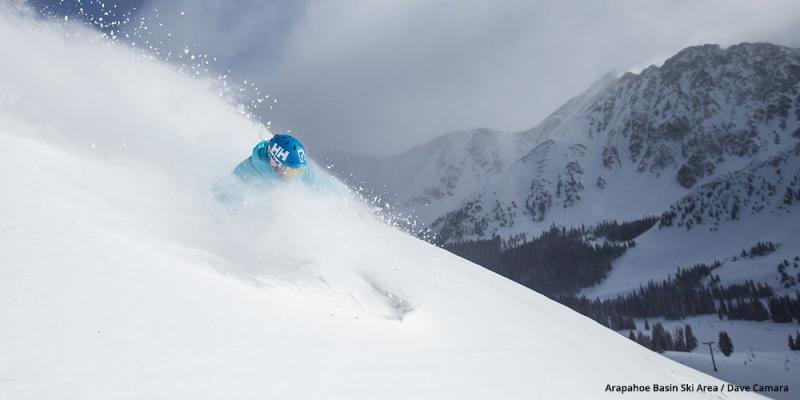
123,278
157,141
97,95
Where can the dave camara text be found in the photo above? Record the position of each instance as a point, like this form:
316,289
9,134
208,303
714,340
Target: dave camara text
690,387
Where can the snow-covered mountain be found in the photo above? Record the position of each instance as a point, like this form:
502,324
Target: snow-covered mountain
124,277
642,141
627,147
431,179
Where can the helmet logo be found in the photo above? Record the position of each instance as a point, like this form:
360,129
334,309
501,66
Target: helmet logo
279,152
301,154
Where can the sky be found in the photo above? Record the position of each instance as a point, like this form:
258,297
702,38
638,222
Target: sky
378,77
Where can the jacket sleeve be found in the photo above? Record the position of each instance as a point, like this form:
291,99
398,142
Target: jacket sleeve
256,165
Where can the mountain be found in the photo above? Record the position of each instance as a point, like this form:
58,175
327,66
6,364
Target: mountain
125,276
431,179
629,146
642,142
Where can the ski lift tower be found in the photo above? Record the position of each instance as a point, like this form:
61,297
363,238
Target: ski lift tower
711,350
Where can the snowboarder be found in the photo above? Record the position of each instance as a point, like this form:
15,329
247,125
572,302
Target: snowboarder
281,158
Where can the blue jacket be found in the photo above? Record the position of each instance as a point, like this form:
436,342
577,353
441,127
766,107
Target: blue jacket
257,167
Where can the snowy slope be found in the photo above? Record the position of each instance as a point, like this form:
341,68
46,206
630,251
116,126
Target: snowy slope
123,278
716,221
761,355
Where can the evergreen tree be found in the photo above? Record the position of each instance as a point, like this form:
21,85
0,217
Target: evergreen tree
661,340
643,339
792,346
646,325
725,343
680,339
779,310
691,340
722,310
759,312
632,336
657,339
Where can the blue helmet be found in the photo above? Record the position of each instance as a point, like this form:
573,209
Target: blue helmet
286,154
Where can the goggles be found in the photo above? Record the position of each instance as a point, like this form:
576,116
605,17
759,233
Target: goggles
283,170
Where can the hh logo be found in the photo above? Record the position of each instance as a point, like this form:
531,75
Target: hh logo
279,152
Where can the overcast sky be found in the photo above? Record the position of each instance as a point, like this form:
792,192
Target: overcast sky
379,76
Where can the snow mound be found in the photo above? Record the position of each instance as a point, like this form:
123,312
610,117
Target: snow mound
124,278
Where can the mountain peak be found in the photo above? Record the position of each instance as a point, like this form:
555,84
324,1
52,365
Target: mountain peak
743,55
692,53
706,111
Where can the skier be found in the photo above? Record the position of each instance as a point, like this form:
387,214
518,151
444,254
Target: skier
281,158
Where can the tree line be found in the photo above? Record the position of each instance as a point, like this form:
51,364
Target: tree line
693,291
625,231
661,340
559,261
760,249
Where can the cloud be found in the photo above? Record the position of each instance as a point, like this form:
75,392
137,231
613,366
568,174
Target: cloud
379,76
